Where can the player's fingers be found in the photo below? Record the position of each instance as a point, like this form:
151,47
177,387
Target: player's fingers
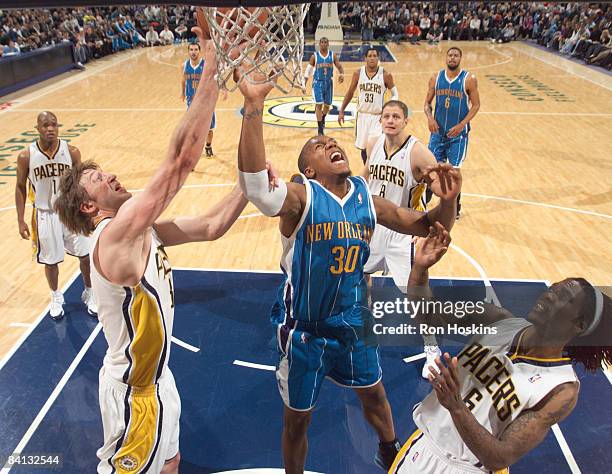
454,370
447,238
439,380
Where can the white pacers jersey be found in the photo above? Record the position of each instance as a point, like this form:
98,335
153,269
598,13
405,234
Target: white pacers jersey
391,176
137,321
45,173
497,384
371,92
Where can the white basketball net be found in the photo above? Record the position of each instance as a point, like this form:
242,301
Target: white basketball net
264,40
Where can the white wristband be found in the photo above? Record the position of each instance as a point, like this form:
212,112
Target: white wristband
257,189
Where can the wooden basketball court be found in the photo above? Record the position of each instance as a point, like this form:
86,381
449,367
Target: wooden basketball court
537,200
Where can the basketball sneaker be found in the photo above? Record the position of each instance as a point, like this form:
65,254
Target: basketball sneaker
56,308
209,151
431,352
386,454
87,297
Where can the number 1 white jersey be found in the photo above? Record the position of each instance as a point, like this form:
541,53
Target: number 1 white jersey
371,91
45,171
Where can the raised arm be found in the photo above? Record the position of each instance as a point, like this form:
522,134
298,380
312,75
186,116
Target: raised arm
23,167
427,108
446,185
521,436
348,96
286,200
185,148
429,251
211,225
471,87
401,219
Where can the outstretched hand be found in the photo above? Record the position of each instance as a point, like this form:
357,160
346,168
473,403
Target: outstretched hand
250,91
430,249
443,180
445,382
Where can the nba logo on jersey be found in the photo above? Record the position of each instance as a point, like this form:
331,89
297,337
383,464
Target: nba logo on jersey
359,199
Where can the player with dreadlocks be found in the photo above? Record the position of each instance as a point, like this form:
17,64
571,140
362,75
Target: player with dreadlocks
497,399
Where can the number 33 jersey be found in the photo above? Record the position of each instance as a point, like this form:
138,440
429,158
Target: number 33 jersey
323,259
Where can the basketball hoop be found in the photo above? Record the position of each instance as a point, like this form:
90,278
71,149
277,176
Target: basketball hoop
267,40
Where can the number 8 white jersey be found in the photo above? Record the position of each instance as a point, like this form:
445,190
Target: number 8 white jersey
371,91
391,175
45,171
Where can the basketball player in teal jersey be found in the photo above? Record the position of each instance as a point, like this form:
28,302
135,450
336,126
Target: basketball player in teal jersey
453,88
191,71
322,62
321,317
497,399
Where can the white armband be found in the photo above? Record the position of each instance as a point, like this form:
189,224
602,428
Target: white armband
309,70
394,93
256,188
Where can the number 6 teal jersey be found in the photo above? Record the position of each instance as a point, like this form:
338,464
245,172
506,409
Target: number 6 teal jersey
451,101
324,258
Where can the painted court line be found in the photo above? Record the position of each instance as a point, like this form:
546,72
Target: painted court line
184,345
56,392
540,57
606,371
422,355
541,204
236,109
120,109
34,325
569,457
254,366
20,325
72,80
491,296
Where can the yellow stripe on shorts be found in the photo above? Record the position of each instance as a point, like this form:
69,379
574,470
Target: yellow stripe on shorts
143,431
404,450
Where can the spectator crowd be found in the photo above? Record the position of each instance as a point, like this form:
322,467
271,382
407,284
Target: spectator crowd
96,31
578,29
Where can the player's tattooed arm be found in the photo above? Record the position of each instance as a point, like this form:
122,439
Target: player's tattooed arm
522,435
289,199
